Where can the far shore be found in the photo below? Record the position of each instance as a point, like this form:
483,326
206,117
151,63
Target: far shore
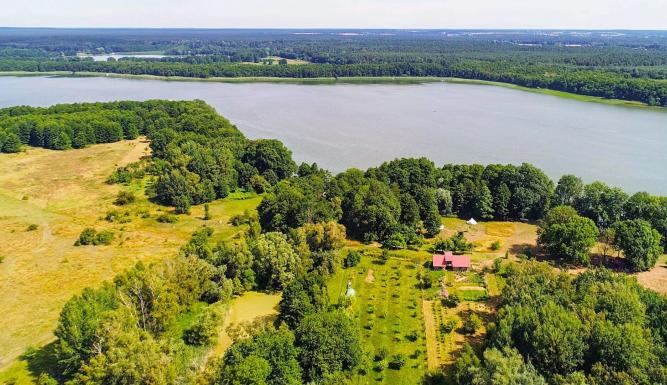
343,80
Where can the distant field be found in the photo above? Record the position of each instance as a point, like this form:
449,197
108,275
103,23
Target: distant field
62,193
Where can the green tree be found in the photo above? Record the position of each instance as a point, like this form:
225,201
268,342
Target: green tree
78,325
568,190
11,144
329,343
272,351
564,233
305,295
640,243
276,264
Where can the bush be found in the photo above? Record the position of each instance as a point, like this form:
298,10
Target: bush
117,216
32,227
495,245
203,332
472,324
452,301
448,325
381,354
497,265
397,361
45,379
412,336
103,238
395,241
352,259
124,198
167,218
86,237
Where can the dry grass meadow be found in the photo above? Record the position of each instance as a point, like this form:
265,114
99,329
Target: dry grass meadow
62,192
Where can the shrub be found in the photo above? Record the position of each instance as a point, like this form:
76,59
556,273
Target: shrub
381,354
32,227
384,257
397,361
124,198
352,259
45,379
2,258
472,324
395,241
103,238
203,331
117,216
448,325
207,212
167,218
495,245
497,265
86,237
412,336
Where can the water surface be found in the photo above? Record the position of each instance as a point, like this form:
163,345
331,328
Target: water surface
349,125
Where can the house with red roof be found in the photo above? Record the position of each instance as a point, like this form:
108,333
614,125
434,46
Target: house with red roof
448,260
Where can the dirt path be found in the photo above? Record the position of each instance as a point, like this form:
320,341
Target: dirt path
433,360
370,278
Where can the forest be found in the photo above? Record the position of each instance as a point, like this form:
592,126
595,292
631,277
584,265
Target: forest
145,326
615,65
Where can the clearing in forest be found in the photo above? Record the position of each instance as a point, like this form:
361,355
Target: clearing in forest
388,312
60,193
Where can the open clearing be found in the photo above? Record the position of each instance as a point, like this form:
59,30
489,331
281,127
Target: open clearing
249,307
62,192
656,278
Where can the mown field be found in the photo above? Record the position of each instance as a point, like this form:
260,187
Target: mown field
60,194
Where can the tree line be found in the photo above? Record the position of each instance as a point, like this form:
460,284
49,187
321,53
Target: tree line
584,81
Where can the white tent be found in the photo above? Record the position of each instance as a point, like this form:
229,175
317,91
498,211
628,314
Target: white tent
472,221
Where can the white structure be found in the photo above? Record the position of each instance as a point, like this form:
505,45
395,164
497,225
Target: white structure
472,221
350,291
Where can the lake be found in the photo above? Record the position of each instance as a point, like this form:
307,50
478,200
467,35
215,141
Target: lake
348,125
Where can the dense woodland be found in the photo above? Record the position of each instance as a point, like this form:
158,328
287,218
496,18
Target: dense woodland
551,328
622,65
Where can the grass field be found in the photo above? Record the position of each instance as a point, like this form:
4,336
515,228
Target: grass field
387,310
62,193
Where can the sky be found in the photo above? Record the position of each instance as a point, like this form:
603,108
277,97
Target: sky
548,14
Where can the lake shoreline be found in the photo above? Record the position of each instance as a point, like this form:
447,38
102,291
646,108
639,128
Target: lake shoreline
345,80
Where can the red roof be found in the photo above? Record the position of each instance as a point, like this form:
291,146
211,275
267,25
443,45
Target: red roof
440,260
449,259
459,261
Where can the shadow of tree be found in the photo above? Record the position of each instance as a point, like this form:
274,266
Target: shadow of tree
524,248
42,360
